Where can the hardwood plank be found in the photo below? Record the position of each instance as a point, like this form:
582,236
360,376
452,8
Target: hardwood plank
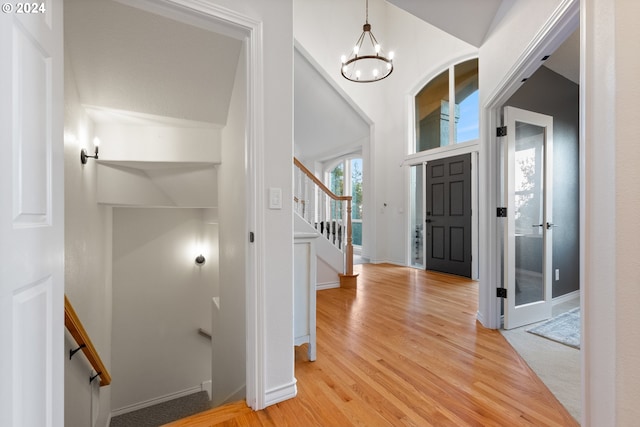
404,348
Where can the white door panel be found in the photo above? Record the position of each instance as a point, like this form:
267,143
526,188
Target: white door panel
527,166
31,216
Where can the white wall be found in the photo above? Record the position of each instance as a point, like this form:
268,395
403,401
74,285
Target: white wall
500,56
229,325
274,269
160,299
627,66
87,277
508,41
421,51
611,257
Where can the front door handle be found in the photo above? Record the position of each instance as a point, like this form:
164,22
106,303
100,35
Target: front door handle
549,225
537,225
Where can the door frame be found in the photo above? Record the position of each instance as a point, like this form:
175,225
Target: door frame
248,30
565,20
423,158
515,315
471,199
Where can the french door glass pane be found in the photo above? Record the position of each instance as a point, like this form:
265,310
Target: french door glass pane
529,209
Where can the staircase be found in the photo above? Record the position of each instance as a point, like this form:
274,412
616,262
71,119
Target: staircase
319,209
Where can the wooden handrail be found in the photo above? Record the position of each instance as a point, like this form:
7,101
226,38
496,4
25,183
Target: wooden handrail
348,279
77,331
319,183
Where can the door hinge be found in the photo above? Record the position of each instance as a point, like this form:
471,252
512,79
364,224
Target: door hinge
251,237
501,292
501,131
501,212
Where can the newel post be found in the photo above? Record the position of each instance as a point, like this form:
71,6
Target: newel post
349,280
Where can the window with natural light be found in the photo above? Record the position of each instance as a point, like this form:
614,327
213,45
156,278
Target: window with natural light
434,108
351,187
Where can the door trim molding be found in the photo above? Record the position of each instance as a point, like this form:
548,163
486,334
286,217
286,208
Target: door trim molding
562,23
204,14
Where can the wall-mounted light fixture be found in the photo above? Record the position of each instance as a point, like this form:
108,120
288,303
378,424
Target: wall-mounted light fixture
83,153
200,259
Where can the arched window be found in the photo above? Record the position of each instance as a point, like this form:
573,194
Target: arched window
451,94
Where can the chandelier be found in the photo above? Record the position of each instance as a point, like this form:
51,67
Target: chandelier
367,62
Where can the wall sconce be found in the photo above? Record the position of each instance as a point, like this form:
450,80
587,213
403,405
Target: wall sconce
200,260
83,153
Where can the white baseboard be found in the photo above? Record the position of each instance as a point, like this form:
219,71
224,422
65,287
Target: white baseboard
208,387
480,318
281,393
327,285
566,297
156,400
239,394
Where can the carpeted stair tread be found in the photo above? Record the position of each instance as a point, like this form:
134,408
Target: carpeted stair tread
166,412
214,416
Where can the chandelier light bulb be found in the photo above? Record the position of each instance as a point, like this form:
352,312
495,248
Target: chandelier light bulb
358,74
377,49
343,58
356,49
375,73
391,55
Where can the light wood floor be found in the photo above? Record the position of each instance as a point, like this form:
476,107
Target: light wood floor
405,349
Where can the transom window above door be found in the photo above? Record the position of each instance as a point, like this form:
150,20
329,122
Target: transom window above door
451,94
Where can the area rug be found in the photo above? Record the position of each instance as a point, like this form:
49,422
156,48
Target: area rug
564,328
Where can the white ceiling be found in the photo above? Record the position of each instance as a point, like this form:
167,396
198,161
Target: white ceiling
126,59
324,123
130,60
467,20
566,59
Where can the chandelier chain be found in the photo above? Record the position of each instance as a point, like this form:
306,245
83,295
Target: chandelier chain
366,16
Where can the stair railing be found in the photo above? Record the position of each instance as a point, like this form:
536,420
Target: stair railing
77,331
327,212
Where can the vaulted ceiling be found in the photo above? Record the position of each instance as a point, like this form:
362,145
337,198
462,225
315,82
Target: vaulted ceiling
126,59
469,21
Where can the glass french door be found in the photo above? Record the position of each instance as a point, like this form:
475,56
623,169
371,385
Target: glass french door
528,164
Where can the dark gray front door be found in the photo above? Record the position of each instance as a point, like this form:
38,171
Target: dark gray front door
448,216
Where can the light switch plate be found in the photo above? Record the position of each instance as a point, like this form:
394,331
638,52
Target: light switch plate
275,198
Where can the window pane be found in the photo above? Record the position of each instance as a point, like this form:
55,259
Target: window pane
356,233
336,180
467,103
356,188
432,114
417,221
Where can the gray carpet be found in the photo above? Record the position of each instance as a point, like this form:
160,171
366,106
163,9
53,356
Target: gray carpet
556,364
165,412
564,328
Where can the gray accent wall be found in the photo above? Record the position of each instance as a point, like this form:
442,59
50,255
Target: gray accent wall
549,93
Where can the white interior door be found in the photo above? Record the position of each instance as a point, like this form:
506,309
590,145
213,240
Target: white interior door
527,240
31,215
